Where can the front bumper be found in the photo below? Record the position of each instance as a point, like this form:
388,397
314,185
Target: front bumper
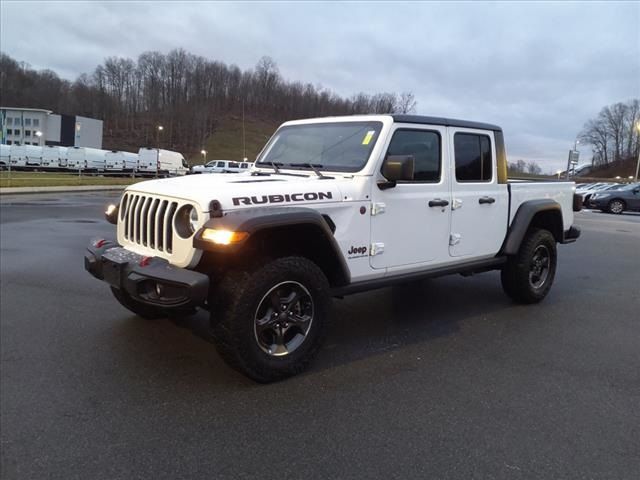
598,204
150,280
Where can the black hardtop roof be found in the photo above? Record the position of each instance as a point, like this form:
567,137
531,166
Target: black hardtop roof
447,122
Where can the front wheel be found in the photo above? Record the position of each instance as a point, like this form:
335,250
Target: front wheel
616,206
269,322
527,276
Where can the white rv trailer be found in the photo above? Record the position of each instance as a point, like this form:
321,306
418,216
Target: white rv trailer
33,156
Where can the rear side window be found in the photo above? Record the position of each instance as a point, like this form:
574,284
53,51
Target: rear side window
473,157
424,146
233,165
244,165
220,164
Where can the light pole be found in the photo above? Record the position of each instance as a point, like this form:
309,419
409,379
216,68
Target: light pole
558,173
638,161
204,156
159,129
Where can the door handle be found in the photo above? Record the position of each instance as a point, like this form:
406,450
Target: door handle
482,200
438,203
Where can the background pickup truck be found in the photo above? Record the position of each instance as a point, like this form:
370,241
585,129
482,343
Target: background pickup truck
333,206
221,166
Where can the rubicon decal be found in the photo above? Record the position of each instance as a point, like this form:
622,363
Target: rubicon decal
282,198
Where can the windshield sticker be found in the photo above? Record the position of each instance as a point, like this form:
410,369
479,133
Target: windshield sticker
367,138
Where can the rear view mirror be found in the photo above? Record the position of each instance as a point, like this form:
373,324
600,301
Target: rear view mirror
397,168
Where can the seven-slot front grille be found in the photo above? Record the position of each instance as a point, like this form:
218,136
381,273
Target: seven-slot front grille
148,221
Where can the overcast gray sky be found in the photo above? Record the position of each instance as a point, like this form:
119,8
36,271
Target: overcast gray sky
538,69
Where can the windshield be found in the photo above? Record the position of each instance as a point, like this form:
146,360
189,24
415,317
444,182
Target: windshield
343,146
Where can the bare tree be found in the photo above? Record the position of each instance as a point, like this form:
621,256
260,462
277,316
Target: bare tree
405,103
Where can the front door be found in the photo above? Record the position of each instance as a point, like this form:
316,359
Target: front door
480,205
410,222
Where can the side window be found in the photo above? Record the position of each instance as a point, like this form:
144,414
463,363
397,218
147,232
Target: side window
233,165
424,146
473,157
221,164
244,165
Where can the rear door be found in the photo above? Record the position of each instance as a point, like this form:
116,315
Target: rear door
480,205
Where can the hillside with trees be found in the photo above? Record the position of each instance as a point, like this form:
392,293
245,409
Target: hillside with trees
199,102
614,136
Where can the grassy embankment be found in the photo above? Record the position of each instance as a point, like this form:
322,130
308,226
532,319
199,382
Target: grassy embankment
226,142
52,179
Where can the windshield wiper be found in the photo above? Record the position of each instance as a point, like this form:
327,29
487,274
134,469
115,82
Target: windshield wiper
312,166
273,165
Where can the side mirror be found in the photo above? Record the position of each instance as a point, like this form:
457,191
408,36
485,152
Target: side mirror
397,168
636,190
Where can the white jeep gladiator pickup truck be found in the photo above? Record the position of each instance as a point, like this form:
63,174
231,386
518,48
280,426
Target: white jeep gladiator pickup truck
333,206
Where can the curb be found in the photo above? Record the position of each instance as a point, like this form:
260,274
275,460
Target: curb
87,188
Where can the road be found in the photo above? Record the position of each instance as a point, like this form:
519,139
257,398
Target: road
443,379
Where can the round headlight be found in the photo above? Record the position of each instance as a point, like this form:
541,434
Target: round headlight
186,221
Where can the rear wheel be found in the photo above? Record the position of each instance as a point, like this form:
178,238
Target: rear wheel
616,206
269,322
527,277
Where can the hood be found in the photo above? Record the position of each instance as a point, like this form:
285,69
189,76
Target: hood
243,190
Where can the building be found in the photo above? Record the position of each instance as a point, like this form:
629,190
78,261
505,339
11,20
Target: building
37,126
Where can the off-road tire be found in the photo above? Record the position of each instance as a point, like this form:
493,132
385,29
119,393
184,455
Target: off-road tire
142,310
616,206
515,276
234,304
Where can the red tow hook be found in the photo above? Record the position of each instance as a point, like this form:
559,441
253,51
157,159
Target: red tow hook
145,261
100,243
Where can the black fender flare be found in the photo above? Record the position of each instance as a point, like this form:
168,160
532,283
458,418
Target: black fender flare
261,219
522,220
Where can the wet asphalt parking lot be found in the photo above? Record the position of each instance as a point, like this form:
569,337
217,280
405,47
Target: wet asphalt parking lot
443,379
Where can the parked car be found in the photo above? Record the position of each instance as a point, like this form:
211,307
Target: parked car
602,188
222,166
626,198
